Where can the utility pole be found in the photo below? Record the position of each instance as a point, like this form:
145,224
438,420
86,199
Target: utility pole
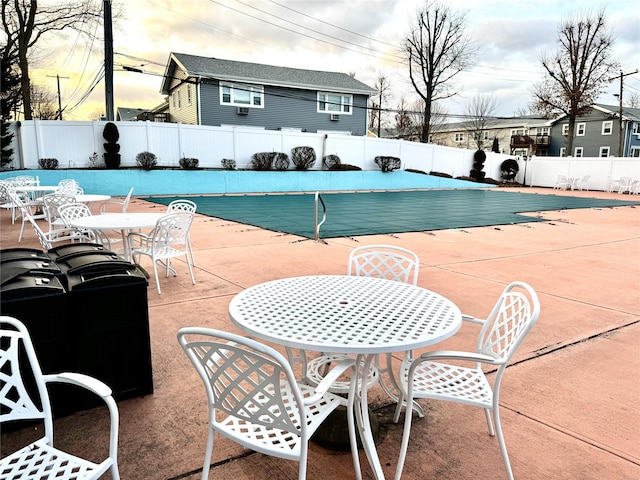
621,77
59,99
108,61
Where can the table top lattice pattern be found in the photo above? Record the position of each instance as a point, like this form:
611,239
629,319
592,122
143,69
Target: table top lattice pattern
345,314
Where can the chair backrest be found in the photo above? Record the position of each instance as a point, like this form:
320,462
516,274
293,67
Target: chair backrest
384,261
242,378
73,211
26,180
18,358
52,203
182,205
69,186
172,229
513,315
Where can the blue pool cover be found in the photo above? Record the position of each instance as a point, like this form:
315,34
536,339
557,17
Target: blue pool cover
369,213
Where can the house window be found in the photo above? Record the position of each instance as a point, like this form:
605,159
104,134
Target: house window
485,135
604,151
334,103
458,137
607,128
519,131
189,99
241,95
178,94
578,152
563,151
565,129
635,128
542,131
635,152
174,100
580,129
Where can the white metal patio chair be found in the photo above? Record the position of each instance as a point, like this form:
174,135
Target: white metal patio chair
509,322
120,204
625,185
24,209
40,459
184,205
562,182
52,203
166,241
73,211
253,397
383,261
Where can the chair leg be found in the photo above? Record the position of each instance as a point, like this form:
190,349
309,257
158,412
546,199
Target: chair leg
155,273
405,439
487,415
503,446
207,455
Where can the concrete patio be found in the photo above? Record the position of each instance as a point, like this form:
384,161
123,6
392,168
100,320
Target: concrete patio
570,401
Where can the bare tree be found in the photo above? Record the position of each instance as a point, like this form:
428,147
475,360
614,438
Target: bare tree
577,74
43,103
382,87
633,100
480,111
437,118
403,125
437,49
25,22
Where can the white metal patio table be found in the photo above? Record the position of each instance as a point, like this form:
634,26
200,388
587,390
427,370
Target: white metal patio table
347,314
125,222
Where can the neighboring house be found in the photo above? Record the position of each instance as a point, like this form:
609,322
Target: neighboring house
215,92
159,113
523,135
597,133
124,114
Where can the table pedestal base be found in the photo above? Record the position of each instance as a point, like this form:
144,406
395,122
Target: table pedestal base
334,431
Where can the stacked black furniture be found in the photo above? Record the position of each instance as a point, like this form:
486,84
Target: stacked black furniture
86,310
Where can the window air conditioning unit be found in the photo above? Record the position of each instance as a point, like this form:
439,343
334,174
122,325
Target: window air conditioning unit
335,117
243,110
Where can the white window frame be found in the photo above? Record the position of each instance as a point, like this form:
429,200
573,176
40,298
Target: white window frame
189,95
335,103
232,91
458,137
174,99
519,131
603,151
565,129
563,151
581,129
578,152
635,152
635,129
179,93
607,127
542,130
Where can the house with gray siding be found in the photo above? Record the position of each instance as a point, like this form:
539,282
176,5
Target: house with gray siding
597,133
216,92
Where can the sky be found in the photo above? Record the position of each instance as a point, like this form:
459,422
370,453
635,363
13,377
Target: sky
350,36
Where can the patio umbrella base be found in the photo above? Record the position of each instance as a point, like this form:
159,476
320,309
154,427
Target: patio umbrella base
333,434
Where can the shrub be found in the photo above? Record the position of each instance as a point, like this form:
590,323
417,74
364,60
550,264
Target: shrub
280,161
112,147
331,161
93,161
388,164
440,174
413,170
228,164
146,160
345,166
303,157
262,160
189,163
48,163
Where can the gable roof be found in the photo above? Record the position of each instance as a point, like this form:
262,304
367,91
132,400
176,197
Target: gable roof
233,71
494,123
628,113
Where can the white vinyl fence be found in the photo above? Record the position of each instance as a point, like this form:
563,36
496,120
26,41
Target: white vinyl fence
73,143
